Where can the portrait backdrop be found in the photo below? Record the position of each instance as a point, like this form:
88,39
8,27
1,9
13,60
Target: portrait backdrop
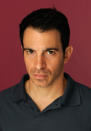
78,13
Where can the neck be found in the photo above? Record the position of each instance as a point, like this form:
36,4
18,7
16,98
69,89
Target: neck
46,93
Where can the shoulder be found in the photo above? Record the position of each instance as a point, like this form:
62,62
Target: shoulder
14,92
85,92
79,89
6,94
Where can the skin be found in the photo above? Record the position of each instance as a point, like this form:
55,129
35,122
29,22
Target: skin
43,55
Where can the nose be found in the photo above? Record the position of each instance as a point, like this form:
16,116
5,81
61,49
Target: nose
40,62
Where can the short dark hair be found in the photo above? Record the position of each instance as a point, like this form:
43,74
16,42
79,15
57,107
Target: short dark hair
47,19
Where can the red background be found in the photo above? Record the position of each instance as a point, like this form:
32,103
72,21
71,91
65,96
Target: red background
78,12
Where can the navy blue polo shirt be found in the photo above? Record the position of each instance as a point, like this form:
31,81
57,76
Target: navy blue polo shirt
70,112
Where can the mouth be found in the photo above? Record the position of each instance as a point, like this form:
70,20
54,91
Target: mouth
40,76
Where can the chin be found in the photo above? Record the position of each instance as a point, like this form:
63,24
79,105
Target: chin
40,83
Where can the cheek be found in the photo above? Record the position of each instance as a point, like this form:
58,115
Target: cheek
56,64
28,64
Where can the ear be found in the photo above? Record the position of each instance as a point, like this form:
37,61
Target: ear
68,53
22,49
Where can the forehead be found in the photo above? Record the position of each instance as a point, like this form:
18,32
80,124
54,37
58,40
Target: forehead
36,38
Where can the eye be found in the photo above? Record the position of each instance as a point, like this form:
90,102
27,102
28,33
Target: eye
29,51
51,52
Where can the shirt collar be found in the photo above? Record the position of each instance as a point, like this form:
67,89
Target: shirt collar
19,92
71,95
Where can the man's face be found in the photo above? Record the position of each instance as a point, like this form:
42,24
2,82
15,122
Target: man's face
43,56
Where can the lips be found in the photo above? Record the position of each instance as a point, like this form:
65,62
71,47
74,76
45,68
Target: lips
40,76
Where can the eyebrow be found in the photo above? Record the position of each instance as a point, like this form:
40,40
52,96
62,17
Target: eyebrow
56,49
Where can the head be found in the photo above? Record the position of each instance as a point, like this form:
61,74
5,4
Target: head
44,37
47,19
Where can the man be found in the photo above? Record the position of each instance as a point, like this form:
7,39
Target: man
46,99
